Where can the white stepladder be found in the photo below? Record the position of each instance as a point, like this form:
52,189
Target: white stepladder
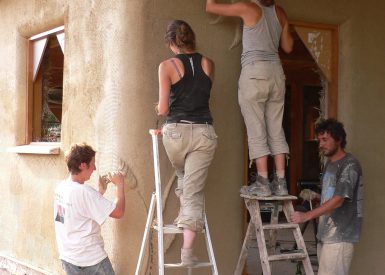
156,198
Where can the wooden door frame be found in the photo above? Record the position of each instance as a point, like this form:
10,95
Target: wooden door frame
332,96
331,104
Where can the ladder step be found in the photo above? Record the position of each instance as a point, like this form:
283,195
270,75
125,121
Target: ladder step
180,265
172,229
270,198
280,226
288,256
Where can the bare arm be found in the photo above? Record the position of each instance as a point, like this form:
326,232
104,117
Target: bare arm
286,40
249,12
327,207
102,185
208,67
164,89
118,179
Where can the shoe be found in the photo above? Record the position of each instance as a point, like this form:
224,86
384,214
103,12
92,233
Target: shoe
279,187
188,258
259,188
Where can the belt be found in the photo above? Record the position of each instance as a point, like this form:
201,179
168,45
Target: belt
188,122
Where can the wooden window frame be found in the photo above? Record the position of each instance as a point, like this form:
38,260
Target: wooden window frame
30,81
29,146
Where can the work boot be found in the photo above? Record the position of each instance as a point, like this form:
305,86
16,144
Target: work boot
259,188
279,186
187,257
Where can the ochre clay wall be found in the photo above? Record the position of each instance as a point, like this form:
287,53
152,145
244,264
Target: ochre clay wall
110,86
360,106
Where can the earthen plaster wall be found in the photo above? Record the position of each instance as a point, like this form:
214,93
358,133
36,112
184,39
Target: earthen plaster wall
360,106
110,86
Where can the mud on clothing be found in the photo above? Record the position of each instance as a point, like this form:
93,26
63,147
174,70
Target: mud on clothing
338,230
79,211
342,178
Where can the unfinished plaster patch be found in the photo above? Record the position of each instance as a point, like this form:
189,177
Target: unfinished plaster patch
319,44
316,48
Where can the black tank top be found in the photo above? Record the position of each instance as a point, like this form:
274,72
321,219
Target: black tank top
189,97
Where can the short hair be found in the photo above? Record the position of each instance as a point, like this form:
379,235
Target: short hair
78,154
334,128
180,34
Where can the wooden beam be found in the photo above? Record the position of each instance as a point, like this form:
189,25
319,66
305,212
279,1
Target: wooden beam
29,93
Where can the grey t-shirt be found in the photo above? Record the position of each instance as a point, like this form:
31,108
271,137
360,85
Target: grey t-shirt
342,178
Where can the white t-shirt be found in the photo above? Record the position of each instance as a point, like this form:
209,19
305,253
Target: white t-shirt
79,211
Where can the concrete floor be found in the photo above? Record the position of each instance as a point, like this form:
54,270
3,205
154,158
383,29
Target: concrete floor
285,240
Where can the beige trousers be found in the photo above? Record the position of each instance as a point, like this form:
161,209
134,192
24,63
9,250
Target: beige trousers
261,96
334,258
190,148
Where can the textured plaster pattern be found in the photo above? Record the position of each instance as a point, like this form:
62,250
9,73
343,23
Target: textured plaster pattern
110,85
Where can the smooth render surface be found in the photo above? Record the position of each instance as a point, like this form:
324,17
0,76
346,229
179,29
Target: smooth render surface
110,86
112,52
360,106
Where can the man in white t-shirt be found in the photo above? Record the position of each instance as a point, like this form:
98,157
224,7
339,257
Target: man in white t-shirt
79,212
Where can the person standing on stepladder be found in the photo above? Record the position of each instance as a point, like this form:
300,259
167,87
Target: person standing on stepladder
261,90
188,136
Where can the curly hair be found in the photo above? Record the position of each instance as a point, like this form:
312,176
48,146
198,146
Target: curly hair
78,154
334,128
180,34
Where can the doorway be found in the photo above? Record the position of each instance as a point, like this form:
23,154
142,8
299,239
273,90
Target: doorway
311,94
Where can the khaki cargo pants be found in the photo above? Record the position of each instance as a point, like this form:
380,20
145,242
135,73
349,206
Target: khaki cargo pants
261,96
190,148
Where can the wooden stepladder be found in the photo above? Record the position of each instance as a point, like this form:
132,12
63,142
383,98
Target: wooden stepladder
162,229
256,227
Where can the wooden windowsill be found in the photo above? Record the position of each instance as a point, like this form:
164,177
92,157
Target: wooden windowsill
38,148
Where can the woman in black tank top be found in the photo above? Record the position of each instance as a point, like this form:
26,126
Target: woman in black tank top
188,136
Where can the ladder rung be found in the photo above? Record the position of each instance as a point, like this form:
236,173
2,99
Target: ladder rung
288,256
280,226
173,229
180,265
270,198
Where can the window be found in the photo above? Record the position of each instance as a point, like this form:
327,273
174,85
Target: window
45,86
